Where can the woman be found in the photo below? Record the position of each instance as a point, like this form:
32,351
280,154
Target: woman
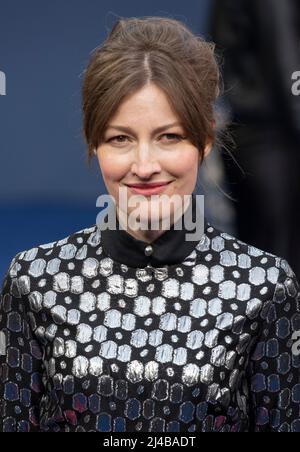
140,329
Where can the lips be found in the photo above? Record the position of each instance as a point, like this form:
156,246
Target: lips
148,186
149,189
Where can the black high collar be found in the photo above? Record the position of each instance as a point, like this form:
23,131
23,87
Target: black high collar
168,249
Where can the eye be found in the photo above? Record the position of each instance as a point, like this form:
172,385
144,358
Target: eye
117,139
173,137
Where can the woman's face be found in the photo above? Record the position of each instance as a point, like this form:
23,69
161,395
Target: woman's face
133,151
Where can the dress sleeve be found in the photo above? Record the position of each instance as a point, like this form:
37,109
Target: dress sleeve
21,366
274,366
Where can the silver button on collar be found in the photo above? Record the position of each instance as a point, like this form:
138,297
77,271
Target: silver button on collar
148,250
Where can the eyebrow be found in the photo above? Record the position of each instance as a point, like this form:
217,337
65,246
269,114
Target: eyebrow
157,130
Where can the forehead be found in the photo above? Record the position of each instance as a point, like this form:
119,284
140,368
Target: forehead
148,103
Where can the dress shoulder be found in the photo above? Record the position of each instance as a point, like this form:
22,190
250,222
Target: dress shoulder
32,262
261,265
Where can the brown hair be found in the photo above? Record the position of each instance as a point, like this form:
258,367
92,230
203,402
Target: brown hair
159,50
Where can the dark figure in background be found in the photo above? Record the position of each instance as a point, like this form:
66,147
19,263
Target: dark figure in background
260,43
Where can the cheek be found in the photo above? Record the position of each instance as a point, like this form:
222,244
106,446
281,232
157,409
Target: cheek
115,169
189,161
112,169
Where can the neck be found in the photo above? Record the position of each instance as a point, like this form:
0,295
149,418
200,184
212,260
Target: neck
150,235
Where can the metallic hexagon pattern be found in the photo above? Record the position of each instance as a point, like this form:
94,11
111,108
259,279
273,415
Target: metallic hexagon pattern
90,344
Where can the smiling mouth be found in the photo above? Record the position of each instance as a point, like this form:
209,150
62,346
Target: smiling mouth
149,190
149,186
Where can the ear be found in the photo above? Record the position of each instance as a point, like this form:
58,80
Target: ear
208,149
209,143
95,151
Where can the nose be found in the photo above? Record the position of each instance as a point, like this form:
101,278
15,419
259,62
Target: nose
145,162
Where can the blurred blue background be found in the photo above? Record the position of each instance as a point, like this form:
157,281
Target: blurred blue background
47,190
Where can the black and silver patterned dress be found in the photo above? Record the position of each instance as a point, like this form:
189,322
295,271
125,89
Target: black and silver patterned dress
100,332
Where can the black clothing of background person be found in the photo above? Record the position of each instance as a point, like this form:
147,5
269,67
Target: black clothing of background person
259,42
